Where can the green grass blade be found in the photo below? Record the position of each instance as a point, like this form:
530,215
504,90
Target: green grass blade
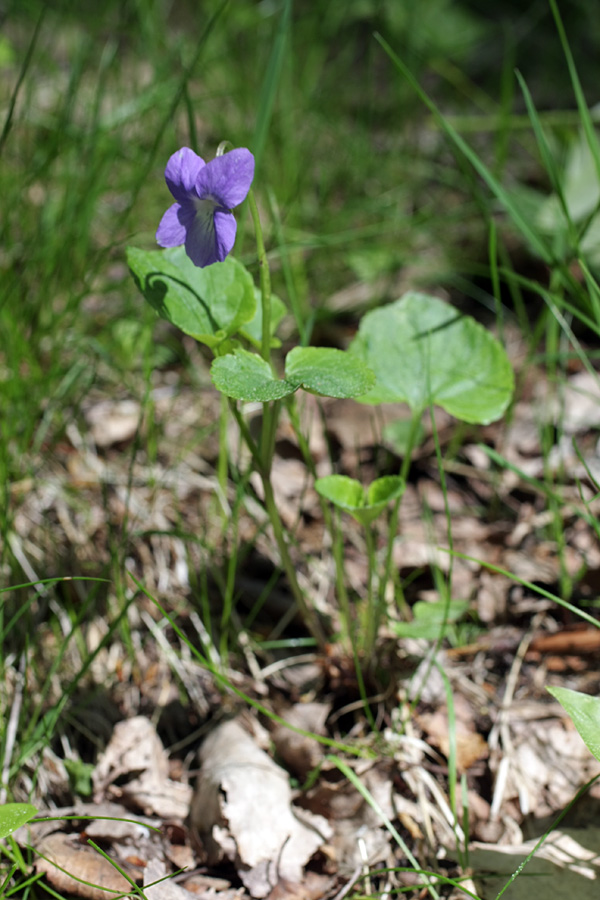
535,240
546,154
584,112
271,82
24,68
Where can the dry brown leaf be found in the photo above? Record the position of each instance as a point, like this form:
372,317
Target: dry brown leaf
135,751
242,811
299,752
313,887
470,745
60,851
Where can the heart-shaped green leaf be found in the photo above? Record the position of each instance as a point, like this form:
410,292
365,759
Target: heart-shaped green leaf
246,376
210,304
348,494
329,372
13,815
252,331
423,351
585,712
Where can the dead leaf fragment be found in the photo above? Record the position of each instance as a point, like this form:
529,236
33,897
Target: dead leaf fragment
135,752
67,864
470,745
242,811
299,752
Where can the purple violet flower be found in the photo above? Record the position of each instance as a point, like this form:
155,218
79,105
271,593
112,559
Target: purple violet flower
205,194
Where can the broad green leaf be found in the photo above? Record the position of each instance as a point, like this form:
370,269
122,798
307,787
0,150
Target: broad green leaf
252,331
431,618
329,372
246,376
13,815
209,304
585,712
348,494
424,351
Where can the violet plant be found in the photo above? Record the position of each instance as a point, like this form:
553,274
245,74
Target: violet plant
418,350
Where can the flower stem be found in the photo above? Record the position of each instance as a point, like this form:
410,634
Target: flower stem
265,279
263,455
223,460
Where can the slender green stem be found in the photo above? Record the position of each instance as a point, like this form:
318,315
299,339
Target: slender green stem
346,625
228,593
265,279
441,470
223,461
332,525
263,455
309,614
372,612
395,514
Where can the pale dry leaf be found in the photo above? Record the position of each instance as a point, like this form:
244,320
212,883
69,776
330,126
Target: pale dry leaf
547,764
113,421
242,811
58,852
105,823
135,752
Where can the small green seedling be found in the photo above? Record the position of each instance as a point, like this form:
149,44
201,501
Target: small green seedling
363,505
13,815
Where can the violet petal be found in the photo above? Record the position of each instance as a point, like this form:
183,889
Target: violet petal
225,230
182,172
200,238
171,232
226,179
